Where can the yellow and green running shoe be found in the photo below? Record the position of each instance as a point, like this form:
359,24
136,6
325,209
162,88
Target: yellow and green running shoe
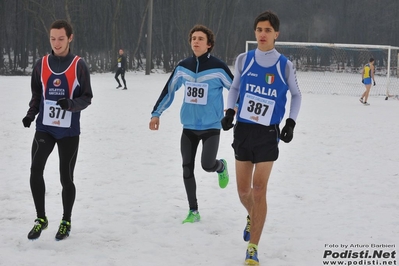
251,257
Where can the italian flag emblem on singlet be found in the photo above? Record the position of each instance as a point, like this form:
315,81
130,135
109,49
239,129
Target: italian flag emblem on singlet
269,78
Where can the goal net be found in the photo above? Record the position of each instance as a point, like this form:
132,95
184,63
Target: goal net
331,68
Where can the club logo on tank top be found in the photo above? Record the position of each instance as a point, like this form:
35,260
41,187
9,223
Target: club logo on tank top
57,82
269,78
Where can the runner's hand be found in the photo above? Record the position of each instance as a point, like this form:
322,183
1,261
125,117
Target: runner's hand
64,103
154,123
287,133
227,120
27,121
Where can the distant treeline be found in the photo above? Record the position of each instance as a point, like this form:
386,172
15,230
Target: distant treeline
101,27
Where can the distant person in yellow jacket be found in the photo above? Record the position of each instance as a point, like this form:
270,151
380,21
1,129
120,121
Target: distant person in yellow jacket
367,76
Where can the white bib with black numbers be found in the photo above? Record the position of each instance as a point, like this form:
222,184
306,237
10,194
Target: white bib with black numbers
196,93
257,109
54,116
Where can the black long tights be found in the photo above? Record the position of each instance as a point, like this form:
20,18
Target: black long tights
122,73
43,145
188,146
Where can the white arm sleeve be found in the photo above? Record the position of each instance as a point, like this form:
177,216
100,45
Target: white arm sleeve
296,97
234,91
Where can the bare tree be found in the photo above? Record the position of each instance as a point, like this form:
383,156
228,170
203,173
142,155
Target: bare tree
102,27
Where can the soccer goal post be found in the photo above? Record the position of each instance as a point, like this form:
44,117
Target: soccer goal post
336,68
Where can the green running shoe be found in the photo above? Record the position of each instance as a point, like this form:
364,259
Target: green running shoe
224,175
63,230
192,217
40,224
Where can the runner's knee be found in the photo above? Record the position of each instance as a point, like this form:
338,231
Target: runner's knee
188,171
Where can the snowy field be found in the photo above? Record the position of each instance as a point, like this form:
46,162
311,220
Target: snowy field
335,184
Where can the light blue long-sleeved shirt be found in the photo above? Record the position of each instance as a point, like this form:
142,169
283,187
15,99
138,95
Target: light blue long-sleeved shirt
203,79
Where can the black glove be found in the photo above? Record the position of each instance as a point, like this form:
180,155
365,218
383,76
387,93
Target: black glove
64,103
287,133
363,81
374,82
227,120
27,121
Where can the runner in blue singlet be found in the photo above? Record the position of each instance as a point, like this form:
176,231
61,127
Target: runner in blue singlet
261,82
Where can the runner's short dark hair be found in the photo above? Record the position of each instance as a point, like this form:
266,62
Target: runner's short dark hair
60,23
209,34
268,16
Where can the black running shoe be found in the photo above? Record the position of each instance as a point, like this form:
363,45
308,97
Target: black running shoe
63,230
40,224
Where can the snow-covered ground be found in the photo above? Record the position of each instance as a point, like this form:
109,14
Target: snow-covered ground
335,184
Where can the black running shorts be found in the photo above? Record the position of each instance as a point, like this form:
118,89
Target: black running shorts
255,143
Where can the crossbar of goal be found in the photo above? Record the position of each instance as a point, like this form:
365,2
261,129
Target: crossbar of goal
331,45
